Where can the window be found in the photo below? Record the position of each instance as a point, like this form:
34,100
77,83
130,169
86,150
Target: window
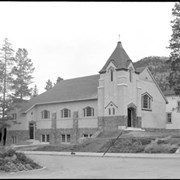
63,138
87,135
169,120
14,139
178,106
14,116
65,113
111,74
109,111
66,138
146,102
113,110
88,111
45,114
130,75
45,138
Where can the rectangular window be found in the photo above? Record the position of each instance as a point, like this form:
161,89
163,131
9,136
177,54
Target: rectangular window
63,138
47,138
169,118
14,139
178,106
68,138
43,138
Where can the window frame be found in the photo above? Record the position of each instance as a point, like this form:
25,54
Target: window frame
45,114
178,106
45,138
65,113
167,118
65,138
148,103
88,111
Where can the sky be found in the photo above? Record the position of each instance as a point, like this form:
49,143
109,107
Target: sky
75,39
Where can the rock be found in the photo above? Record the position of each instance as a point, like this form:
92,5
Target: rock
28,167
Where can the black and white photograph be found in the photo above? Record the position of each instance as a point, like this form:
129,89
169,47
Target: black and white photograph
89,90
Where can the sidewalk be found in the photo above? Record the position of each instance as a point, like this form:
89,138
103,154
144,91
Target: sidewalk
93,154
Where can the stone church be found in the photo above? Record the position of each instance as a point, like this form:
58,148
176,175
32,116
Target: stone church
118,97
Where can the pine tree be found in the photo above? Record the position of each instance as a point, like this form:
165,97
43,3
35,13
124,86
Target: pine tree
174,78
6,63
49,85
35,91
23,75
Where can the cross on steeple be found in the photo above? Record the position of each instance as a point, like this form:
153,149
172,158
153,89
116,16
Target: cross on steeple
119,37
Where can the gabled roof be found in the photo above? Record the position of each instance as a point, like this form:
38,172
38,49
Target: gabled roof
156,84
75,89
119,58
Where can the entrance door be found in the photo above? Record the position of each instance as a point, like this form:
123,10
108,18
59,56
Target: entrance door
129,117
31,130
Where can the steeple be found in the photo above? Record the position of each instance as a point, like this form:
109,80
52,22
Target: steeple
119,57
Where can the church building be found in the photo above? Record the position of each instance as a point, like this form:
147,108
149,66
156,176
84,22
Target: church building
118,97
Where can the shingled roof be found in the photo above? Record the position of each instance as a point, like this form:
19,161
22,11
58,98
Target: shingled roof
75,89
119,57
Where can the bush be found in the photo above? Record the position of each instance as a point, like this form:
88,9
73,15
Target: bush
160,148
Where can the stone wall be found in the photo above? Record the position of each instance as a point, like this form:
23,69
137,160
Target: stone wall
111,122
21,137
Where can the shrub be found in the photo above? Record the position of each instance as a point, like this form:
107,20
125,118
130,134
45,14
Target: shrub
160,148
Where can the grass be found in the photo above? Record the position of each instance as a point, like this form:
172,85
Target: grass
129,142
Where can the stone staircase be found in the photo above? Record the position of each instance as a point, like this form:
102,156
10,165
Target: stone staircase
96,134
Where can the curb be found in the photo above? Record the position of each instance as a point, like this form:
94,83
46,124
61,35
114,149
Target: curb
27,170
94,154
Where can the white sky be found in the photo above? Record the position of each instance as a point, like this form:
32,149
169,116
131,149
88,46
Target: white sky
74,39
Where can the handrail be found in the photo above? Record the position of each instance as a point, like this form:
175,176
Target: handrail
111,144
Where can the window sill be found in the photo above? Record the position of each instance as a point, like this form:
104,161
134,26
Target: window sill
146,109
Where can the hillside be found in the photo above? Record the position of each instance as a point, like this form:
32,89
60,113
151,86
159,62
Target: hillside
158,67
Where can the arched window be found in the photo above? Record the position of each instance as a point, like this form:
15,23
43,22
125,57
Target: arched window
113,111
65,113
109,111
146,101
88,111
111,74
45,114
130,75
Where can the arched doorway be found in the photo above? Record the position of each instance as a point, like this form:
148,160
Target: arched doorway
31,130
131,115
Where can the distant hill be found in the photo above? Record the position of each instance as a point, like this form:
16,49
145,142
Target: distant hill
159,67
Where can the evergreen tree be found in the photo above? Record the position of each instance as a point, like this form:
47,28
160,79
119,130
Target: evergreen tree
6,63
174,78
35,91
49,85
23,75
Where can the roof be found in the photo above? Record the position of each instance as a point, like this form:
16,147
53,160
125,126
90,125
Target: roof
140,69
119,57
75,89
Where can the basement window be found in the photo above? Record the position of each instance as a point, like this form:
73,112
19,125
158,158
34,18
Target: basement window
65,138
14,139
45,138
169,118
